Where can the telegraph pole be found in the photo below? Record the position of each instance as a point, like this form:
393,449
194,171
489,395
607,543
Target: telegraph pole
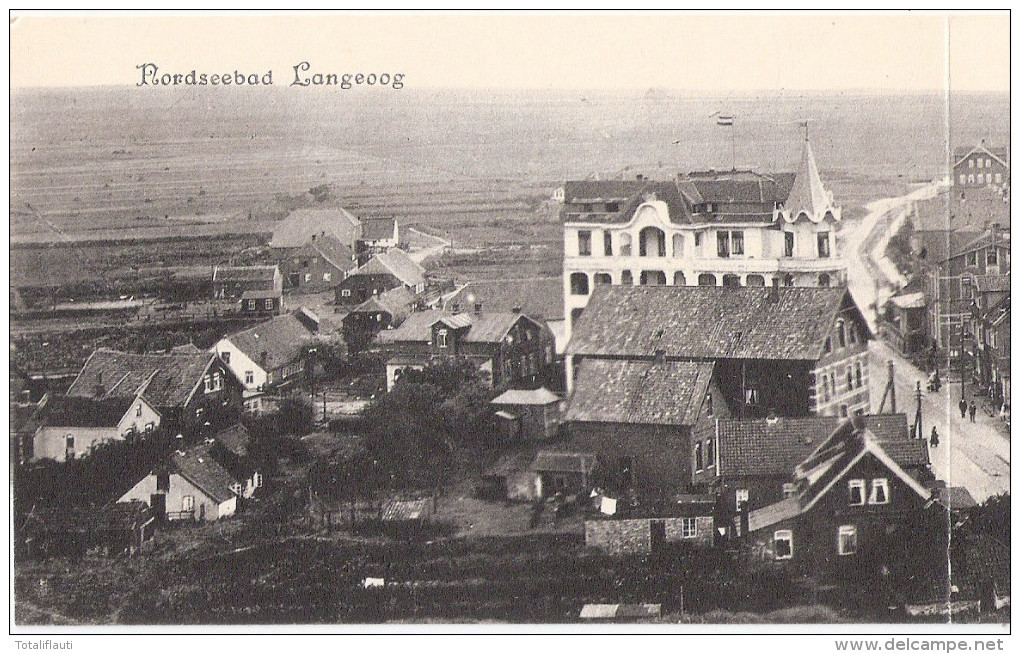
919,430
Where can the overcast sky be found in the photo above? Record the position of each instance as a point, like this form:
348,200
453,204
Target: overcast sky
716,52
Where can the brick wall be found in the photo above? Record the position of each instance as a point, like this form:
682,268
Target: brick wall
619,536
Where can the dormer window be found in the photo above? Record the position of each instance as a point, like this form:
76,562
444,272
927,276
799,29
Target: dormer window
856,490
441,338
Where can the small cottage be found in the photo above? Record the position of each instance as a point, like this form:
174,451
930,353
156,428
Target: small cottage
527,415
192,485
688,521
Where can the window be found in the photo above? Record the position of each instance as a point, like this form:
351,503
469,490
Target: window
163,482
787,279
697,239
849,379
743,495
723,244
327,276
441,340
879,491
783,540
625,244
612,207
199,411
755,280
627,278
847,542
603,279
789,490
980,177
708,404
970,163
607,243
69,442
963,178
652,278
980,163
860,375
706,279
138,410
308,277
731,281
269,304
972,258
710,453
225,356
652,242
679,279
752,396
345,292
737,241
828,344
257,480
970,178
150,427
992,257
823,245
824,280
998,178
856,490
678,245
188,503
844,411
249,377
699,462
251,305
688,527
579,284
584,243
788,249
236,488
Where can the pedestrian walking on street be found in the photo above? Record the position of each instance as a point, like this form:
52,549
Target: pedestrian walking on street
973,410
963,408
934,437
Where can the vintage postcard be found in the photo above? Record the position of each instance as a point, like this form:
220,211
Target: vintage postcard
503,322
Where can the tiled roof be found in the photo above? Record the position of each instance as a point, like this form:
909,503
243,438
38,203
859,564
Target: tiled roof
377,229
235,439
281,338
539,396
711,322
937,244
297,229
397,302
165,380
395,262
776,446
483,327
962,153
639,392
984,240
508,464
260,295
332,250
119,515
197,465
244,273
600,191
540,297
64,411
563,462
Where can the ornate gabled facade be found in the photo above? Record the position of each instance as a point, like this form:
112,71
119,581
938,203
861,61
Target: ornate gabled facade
730,228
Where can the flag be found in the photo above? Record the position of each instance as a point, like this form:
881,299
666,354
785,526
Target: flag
724,120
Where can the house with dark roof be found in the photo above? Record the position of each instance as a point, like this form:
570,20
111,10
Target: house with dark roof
511,348
193,393
904,324
262,304
378,233
384,311
190,485
71,426
791,351
383,272
296,230
319,264
707,228
268,355
538,297
980,165
756,459
643,419
231,282
854,515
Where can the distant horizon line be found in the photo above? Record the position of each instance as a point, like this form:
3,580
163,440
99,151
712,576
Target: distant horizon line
617,90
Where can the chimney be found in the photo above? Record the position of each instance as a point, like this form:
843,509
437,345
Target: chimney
313,238
263,357
478,307
857,421
660,356
455,307
640,177
515,310
99,389
773,295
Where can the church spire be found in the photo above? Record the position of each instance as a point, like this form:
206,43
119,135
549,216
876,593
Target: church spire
808,194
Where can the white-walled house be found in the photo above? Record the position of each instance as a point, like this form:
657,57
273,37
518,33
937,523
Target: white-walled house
71,426
715,228
268,354
192,485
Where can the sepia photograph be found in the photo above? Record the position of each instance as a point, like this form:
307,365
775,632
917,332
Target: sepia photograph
643,322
